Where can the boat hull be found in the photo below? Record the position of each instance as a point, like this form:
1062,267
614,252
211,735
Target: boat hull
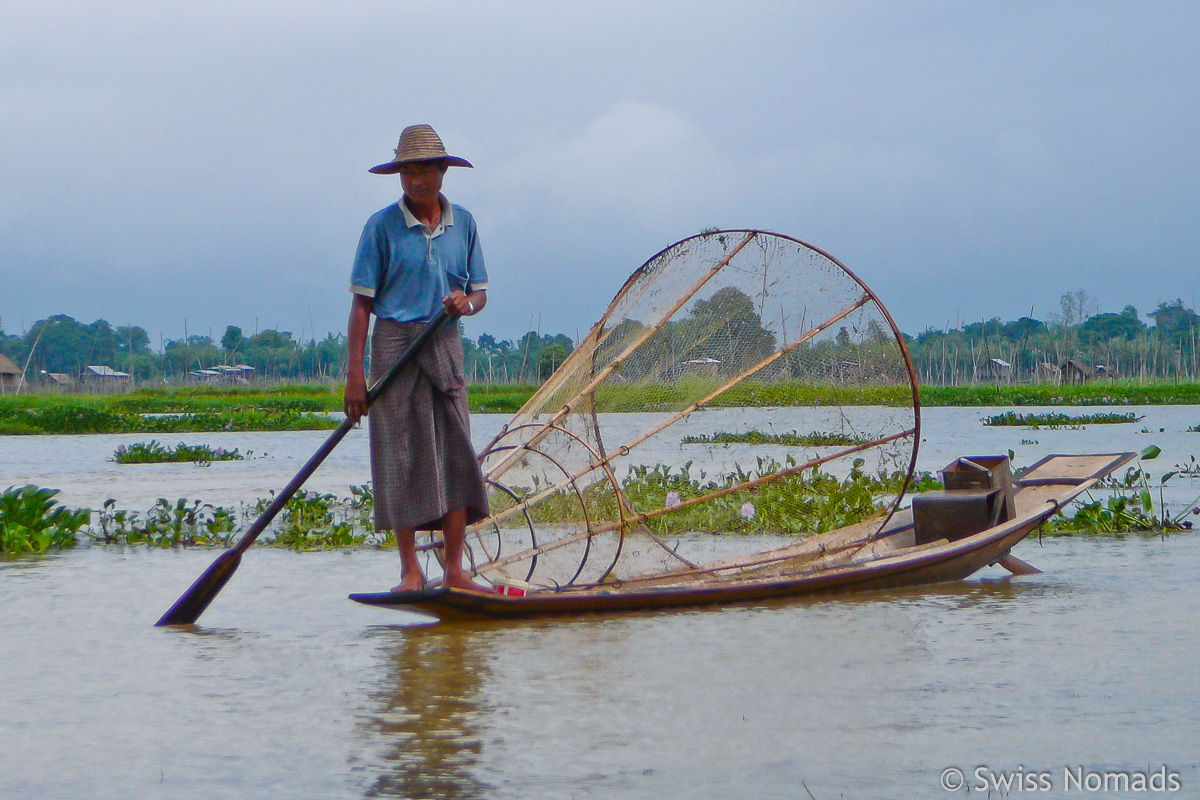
1053,484
949,563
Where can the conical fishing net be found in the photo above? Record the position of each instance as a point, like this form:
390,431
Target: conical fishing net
741,390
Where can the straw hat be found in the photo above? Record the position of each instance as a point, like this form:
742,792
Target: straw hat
418,143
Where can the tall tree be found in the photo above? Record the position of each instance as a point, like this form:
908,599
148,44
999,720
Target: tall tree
1174,322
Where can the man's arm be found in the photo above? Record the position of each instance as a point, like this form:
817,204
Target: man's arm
355,401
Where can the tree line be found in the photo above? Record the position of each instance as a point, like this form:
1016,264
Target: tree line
1114,344
62,345
724,330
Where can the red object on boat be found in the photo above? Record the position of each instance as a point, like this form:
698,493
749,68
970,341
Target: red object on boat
508,591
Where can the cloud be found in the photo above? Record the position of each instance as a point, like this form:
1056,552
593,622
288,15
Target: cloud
639,161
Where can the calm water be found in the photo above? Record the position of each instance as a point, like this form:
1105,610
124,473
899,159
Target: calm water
289,690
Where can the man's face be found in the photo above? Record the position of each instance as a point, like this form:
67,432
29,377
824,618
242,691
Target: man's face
422,181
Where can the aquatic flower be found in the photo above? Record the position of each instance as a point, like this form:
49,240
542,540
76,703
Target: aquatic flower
748,511
672,499
1196,510
310,496
220,451
120,448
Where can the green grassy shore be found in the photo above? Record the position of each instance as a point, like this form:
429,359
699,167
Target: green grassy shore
315,407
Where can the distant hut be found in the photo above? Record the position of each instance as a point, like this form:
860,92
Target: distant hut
102,377
702,366
204,376
57,380
1075,372
995,369
10,373
238,373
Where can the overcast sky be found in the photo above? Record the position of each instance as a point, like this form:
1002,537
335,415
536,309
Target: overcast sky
207,161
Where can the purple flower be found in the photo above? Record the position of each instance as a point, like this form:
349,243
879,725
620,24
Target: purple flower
672,499
1196,510
1187,523
748,511
220,451
120,448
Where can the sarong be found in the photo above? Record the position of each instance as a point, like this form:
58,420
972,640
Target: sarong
422,461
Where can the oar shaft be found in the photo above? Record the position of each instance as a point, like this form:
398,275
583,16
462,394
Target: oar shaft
195,600
336,437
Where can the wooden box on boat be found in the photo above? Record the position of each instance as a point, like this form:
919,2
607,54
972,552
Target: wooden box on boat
982,472
978,495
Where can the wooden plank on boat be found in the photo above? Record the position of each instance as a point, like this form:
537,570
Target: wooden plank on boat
1072,469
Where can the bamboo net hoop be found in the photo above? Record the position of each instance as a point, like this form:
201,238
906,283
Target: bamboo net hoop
741,382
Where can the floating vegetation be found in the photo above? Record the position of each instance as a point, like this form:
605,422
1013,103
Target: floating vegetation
154,453
804,503
1130,508
793,439
1190,468
309,521
75,419
1056,420
180,524
32,521
1053,394
1130,511
312,521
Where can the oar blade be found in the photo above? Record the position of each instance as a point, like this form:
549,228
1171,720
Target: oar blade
191,604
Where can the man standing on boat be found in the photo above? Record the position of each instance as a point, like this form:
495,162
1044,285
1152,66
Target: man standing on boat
415,257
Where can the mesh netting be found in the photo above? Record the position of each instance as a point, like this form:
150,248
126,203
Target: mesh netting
741,387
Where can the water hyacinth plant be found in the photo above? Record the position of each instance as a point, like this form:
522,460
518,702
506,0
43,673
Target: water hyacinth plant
793,439
154,453
808,502
1056,420
1130,507
32,521
309,521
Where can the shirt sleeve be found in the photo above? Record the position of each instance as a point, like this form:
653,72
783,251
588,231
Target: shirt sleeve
370,260
477,277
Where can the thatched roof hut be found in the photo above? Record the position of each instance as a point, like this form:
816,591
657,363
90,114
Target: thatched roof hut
10,373
1075,372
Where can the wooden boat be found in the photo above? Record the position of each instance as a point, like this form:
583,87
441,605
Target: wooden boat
851,559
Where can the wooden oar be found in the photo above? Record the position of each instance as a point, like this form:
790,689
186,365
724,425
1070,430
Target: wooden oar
191,605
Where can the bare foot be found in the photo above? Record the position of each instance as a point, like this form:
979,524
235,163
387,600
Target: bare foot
410,583
462,581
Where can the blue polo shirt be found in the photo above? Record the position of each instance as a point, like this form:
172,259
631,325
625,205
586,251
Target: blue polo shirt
408,268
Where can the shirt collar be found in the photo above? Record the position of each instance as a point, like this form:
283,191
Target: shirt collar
447,213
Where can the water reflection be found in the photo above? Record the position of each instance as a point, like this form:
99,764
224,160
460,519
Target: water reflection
429,713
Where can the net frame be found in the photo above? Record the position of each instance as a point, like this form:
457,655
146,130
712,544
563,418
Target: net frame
521,437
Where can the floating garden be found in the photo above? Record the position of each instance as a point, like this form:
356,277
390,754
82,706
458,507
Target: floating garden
32,521
154,453
1056,420
793,439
